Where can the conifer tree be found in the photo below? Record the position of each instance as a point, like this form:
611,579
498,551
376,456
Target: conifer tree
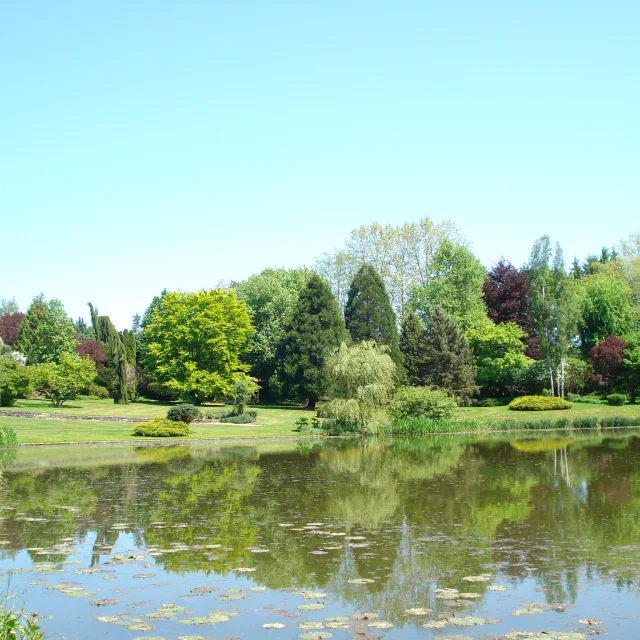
120,395
368,314
315,329
412,344
447,358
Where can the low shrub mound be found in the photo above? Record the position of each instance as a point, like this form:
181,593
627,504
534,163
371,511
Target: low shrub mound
420,402
539,403
616,399
184,413
243,418
96,391
489,402
590,399
162,428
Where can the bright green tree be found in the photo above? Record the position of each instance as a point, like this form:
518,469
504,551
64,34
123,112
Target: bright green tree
194,341
606,307
361,379
499,353
455,286
631,365
314,330
448,360
368,314
14,380
412,344
46,332
271,297
64,380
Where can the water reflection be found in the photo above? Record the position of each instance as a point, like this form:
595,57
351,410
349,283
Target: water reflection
557,514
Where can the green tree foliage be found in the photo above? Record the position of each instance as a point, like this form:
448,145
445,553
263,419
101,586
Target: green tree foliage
314,330
402,255
456,285
14,380
361,379
64,380
420,402
46,332
448,360
83,331
271,297
500,359
130,345
631,365
412,343
606,307
555,303
368,314
8,305
194,341
120,391
242,392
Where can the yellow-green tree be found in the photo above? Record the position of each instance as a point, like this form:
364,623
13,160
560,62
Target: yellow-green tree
193,342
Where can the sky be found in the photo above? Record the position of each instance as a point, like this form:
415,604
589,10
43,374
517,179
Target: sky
156,144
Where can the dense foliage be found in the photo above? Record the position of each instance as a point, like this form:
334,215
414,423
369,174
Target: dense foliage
184,413
539,403
194,341
14,380
422,402
64,380
161,428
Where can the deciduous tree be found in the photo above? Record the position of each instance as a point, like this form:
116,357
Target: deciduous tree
64,380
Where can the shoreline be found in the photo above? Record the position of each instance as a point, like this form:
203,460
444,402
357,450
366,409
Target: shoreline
187,441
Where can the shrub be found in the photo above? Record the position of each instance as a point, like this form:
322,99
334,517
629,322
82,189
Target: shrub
162,428
539,403
243,418
96,391
489,402
159,391
253,413
546,393
184,413
616,399
420,402
242,392
8,437
210,414
572,397
15,381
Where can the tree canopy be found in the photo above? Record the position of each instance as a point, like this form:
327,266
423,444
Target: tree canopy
193,342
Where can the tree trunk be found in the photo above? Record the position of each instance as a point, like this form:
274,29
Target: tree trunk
550,373
311,404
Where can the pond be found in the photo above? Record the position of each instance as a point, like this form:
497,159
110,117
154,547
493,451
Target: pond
439,537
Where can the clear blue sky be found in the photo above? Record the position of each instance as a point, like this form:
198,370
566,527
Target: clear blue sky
154,144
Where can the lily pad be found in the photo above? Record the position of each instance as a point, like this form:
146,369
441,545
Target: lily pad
315,635
418,611
315,606
273,625
361,581
311,625
381,624
529,611
590,621
485,577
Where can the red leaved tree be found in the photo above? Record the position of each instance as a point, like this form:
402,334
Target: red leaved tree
606,358
9,325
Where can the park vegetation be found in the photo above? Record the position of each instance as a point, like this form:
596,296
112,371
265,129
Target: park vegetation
401,323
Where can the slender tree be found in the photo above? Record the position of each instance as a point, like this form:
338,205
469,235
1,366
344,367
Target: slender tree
314,330
368,314
120,392
412,344
448,360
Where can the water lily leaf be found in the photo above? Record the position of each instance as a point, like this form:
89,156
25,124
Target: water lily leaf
435,624
316,606
418,611
79,594
447,594
471,621
381,624
590,621
104,602
544,635
485,577
496,587
529,611
365,616
315,635
273,625
110,619
258,589
231,596
140,626
245,570
470,595
311,625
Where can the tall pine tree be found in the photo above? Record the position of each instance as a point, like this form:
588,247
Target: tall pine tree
447,358
316,327
368,314
120,391
412,345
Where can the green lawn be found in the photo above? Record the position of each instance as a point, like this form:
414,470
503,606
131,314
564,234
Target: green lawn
272,420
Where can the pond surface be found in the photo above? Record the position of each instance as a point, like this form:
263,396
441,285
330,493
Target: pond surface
484,537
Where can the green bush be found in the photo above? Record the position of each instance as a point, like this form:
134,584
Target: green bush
159,391
8,437
15,381
96,391
489,402
162,428
184,413
243,418
421,402
616,399
572,397
539,403
619,421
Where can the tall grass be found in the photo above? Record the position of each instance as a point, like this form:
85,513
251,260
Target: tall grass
8,437
420,426
16,623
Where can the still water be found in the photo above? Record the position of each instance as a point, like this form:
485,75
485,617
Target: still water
485,537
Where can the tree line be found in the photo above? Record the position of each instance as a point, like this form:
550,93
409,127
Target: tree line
409,305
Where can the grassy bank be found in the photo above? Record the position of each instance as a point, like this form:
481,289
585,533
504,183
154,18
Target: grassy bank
277,420
272,421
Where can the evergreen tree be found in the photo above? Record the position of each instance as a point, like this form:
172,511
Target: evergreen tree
129,341
412,342
314,330
448,360
368,314
120,395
